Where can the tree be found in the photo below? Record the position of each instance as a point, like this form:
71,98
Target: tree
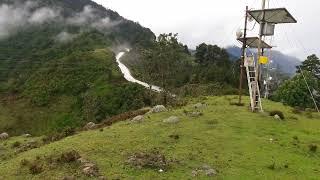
294,92
311,64
214,65
166,63
201,53
211,54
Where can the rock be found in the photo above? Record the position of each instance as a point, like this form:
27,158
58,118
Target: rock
4,136
172,120
277,117
90,170
27,135
82,161
90,125
194,173
205,169
158,108
137,119
199,106
195,114
210,172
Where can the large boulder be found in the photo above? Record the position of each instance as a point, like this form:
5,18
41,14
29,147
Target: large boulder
137,119
172,120
4,136
158,108
90,125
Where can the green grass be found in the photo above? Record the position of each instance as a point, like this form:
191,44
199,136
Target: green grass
228,138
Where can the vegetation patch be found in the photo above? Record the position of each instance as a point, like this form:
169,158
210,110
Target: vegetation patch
35,167
124,116
153,160
313,148
236,104
69,157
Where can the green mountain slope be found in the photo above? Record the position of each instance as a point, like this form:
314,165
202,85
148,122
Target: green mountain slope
57,67
228,142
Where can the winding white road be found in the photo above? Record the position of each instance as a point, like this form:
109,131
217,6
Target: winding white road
127,74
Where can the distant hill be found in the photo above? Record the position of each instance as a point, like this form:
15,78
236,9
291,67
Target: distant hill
287,64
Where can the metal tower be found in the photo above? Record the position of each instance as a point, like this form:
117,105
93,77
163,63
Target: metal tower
267,18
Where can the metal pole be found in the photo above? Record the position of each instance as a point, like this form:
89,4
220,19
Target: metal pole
244,45
259,48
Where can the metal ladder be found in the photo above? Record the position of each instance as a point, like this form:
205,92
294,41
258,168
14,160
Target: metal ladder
253,85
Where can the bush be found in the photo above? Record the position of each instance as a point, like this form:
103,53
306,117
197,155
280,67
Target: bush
24,162
297,110
16,144
36,168
69,131
236,104
313,148
152,160
279,113
70,156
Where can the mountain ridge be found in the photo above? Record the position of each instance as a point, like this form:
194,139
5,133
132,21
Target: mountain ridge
285,63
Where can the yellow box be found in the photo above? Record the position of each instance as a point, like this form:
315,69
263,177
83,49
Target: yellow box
263,60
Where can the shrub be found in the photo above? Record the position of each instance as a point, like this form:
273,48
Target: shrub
174,136
297,110
236,104
279,113
309,114
24,162
272,166
69,131
70,156
36,168
313,147
153,160
16,144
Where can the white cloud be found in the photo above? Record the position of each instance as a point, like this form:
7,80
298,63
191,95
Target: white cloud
89,17
64,37
17,16
13,17
42,15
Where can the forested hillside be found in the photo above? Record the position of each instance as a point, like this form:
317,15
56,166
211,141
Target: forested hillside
57,67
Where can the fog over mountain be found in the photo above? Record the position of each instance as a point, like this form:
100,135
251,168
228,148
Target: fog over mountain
20,15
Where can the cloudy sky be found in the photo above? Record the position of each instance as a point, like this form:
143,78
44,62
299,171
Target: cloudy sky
216,22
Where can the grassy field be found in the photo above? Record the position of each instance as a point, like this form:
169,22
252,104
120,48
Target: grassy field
230,139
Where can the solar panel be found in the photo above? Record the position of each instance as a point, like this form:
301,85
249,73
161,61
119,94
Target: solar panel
274,16
253,42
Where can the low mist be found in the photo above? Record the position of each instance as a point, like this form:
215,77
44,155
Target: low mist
14,17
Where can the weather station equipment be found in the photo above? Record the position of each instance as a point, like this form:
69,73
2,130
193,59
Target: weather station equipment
251,63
